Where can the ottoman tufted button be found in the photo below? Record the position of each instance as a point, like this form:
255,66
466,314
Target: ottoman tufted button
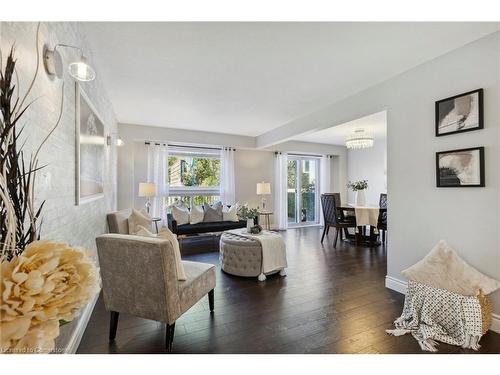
240,256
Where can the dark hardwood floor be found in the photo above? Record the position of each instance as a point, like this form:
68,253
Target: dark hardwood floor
331,301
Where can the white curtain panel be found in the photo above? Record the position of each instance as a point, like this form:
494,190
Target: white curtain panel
227,185
325,180
280,191
158,174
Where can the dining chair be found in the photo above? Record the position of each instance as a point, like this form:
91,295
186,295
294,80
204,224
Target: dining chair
333,216
342,215
382,217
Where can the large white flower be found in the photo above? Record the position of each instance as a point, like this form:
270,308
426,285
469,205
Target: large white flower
48,282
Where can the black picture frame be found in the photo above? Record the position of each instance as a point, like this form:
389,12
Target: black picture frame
445,106
451,180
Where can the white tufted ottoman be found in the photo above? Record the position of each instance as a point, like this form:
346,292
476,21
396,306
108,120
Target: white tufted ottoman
241,256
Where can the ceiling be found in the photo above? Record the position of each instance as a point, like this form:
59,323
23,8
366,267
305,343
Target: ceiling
248,78
376,124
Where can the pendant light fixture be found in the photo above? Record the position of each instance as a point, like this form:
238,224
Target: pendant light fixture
359,139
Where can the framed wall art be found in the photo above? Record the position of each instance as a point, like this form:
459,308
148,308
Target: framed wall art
460,113
90,150
460,168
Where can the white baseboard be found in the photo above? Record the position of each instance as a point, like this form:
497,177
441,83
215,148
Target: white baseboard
400,286
395,284
77,334
495,323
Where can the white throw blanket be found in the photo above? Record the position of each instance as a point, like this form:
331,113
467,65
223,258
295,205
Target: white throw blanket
273,248
431,314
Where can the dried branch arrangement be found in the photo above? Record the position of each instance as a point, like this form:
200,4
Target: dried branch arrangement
20,220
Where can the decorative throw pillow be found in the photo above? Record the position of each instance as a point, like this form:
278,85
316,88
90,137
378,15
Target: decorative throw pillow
230,213
197,214
144,232
213,213
180,214
443,268
136,220
168,235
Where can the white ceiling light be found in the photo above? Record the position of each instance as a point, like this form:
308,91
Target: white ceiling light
359,139
79,70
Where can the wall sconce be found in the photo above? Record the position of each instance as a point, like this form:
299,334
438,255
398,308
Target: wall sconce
79,70
119,141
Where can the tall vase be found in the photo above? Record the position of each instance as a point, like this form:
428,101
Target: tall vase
360,198
249,225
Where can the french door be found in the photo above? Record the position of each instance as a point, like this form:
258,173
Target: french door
303,190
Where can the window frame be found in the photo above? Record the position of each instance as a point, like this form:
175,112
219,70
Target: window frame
191,191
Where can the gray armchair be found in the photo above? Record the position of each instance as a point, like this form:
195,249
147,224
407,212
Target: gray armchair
139,278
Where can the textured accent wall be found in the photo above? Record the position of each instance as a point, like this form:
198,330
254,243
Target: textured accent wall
62,219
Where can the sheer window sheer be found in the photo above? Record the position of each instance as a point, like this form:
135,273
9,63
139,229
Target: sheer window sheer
227,184
158,174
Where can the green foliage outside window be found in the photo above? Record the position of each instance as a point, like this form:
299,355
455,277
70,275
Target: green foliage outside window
193,171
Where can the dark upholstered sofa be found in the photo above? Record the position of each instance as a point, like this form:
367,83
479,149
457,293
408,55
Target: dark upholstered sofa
204,227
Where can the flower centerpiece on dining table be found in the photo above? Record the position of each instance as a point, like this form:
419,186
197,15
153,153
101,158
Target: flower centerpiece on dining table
43,284
359,188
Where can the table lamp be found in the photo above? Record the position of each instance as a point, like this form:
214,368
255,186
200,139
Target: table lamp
147,190
263,188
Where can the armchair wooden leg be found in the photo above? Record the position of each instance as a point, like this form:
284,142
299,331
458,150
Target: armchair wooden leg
169,337
336,236
211,300
113,325
324,232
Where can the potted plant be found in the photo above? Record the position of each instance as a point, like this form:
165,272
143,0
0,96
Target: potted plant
248,214
359,188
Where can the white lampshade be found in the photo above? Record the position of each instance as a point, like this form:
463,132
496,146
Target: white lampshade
263,188
147,189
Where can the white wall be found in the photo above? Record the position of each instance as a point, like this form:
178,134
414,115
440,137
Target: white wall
251,167
62,220
419,214
468,218
369,164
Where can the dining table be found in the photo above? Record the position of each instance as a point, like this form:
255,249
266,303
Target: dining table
365,216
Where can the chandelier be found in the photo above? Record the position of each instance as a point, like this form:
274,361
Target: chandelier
359,139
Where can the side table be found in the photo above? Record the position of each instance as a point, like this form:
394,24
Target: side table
267,218
156,220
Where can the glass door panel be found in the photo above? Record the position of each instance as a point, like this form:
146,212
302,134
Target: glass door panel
303,200
308,191
291,191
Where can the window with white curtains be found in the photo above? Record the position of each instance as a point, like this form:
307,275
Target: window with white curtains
191,174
